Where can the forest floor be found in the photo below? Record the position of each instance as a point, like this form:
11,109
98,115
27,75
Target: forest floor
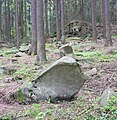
16,71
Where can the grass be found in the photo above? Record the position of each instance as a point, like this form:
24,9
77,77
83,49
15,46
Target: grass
114,36
20,96
9,52
80,110
25,72
97,56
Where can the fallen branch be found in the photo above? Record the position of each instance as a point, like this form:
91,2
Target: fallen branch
10,92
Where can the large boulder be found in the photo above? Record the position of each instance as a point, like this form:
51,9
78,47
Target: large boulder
61,81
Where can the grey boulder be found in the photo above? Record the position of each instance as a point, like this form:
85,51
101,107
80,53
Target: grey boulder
106,95
66,50
61,81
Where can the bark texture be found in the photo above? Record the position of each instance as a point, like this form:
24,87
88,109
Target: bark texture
33,48
41,54
0,20
62,22
107,21
93,11
57,21
16,23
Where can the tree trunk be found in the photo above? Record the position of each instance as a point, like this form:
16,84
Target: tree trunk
46,17
6,24
33,48
82,10
93,11
16,23
103,20
62,22
0,20
107,20
22,24
25,20
41,53
57,21
9,21
50,12
29,19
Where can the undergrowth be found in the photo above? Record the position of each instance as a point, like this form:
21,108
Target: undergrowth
9,52
81,111
25,72
97,56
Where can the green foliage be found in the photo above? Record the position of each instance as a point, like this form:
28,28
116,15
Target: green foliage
13,32
7,117
42,115
50,47
89,54
97,56
97,112
85,36
109,112
9,52
112,105
114,36
24,72
20,97
34,111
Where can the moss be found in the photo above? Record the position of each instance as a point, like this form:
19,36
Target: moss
25,72
20,97
9,52
97,56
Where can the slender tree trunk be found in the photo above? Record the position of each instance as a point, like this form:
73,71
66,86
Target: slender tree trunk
107,20
0,20
9,21
93,11
50,19
46,17
6,24
25,20
57,21
82,10
115,7
41,53
62,22
29,19
22,24
33,48
103,20
16,23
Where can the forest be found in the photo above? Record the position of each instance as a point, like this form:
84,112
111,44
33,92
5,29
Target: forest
58,59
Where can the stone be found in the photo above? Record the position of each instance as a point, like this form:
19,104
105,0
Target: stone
9,69
1,70
106,95
65,50
91,72
57,44
9,79
61,81
20,54
24,49
13,60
